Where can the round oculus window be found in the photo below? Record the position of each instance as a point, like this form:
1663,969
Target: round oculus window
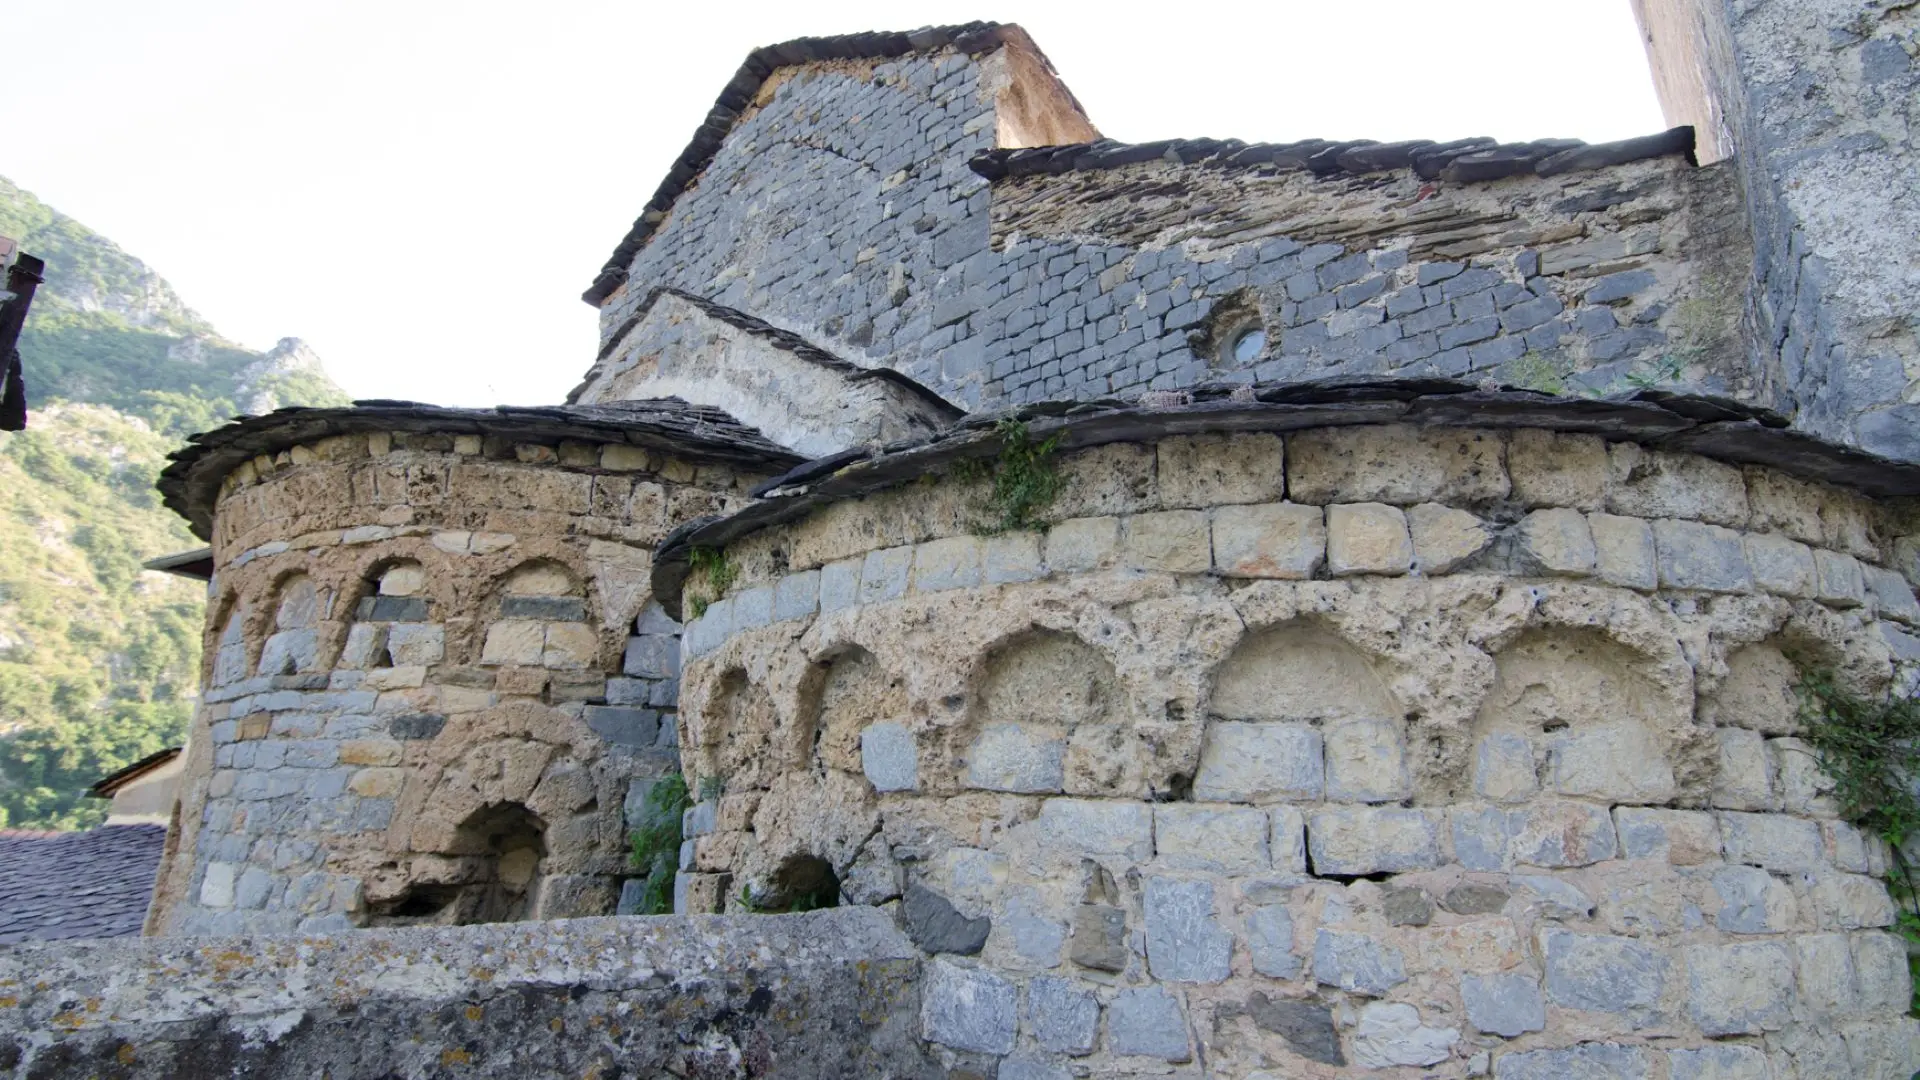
1248,344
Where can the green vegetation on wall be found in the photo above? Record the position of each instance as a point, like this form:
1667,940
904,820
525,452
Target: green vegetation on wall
99,659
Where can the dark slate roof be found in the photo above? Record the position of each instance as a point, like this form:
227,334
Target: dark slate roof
1460,161
104,787
1701,424
92,884
191,483
785,340
974,37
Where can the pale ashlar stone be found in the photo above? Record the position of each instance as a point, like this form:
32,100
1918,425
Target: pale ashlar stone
1623,551
1657,484
1802,786
1367,538
1370,840
403,580
1098,827
1504,769
1744,779
1366,761
1023,758
1752,901
950,563
1218,839
1185,942
1601,972
1705,558
1064,1016
1739,989
1391,1034
969,1009
1781,566
1396,463
1174,541
1557,541
1147,1022
1850,902
217,884
416,643
1552,469
1771,841
1838,579
1508,1005
1620,762
1270,941
1249,762
1011,557
1217,470
1277,540
888,757
1356,962
1681,837
569,646
1445,538
1082,543
1827,982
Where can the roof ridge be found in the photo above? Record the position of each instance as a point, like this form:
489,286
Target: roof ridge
1469,160
739,93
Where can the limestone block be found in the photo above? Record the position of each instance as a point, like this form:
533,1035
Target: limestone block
1892,596
1600,972
1620,763
1707,558
1391,1034
1221,839
1098,827
1623,551
888,757
1503,767
884,574
1273,540
1184,940
1147,1022
1838,579
1719,1063
1023,758
1801,785
1509,1005
1367,538
1444,538
1174,541
1740,989
1846,847
953,562
217,884
753,608
1270,941
1027,1067
1551,469
1371,840
796,596
416,643
1781,566
1681,837
1554,833
1288,839
1064,1017
1880,965
1656,484
1117,478
1083,543
1366,761
1851,902
1752,901
1246,762
937,927
1011,557
1201,471
1782,504
840,585
1396,464
1846,524
968,1008
403,580
1356,962
1099,938
377,783
1827,983
1744,780
569,646
1587,1061
365,641
1552,897
1556,541
623,458
290,651
1771,841
514,641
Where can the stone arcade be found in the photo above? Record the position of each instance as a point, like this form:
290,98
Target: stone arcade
1400,683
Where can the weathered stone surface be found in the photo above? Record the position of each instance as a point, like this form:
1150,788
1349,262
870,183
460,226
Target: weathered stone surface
1504,769
1682,837
1273,540
1395,464
1654,484
1011,557
1773,841
1838,579
1444,538
1367,840
1147,1022
953,562
1175,541
1391,1035
1184,940
1557,541
1600,972
935,926
1099,938
1217,470
1406,906
1703,557
1586,1061
1017,757
1551,469
1366,761
1063,1016
1244,762
1357,962
889,758
1752,902
1744,780
1552,897
1307,1026
1719,1063
1367,538
1098,827
1623,551
1270,941
1475,898
1740,989
1781,566
1506,1005
1224,840
969,1008
1083,543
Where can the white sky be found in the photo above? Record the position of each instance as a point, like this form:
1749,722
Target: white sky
421,190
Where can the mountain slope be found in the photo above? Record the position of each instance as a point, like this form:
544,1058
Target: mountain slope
99,659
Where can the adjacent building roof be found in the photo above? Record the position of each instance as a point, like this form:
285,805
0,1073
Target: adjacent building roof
92,884
105,787
190,485
974,37
1713,427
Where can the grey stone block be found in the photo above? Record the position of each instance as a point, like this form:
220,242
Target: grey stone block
416,725
1025,1067
753,608
1245,762
796,596
1723,1062
1741,989
1772,841
624,726
1587,1061
889,757
1148,1022
1099,937
884,574
1370,840
1601,972
1552,897
936,927
968,1009
1270,941
652,656
1704,557
1021,758
1064,1017
1357,962
1506,1005
1307,1026
840,585
549,608
1184,941
700,819
1750,902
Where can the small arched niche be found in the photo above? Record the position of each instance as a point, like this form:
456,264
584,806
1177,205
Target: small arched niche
736,734
539,619
855,692
1571,713
1047,719
293,646
1298,712
1758,692
230,649
490,873
393,622
802,882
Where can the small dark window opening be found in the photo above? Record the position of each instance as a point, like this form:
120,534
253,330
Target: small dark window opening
803,883
494,877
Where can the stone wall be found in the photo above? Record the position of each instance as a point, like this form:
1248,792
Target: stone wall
1310,754
825,995
1814,101
433,675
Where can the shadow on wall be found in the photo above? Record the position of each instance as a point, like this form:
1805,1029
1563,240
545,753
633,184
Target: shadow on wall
489,874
